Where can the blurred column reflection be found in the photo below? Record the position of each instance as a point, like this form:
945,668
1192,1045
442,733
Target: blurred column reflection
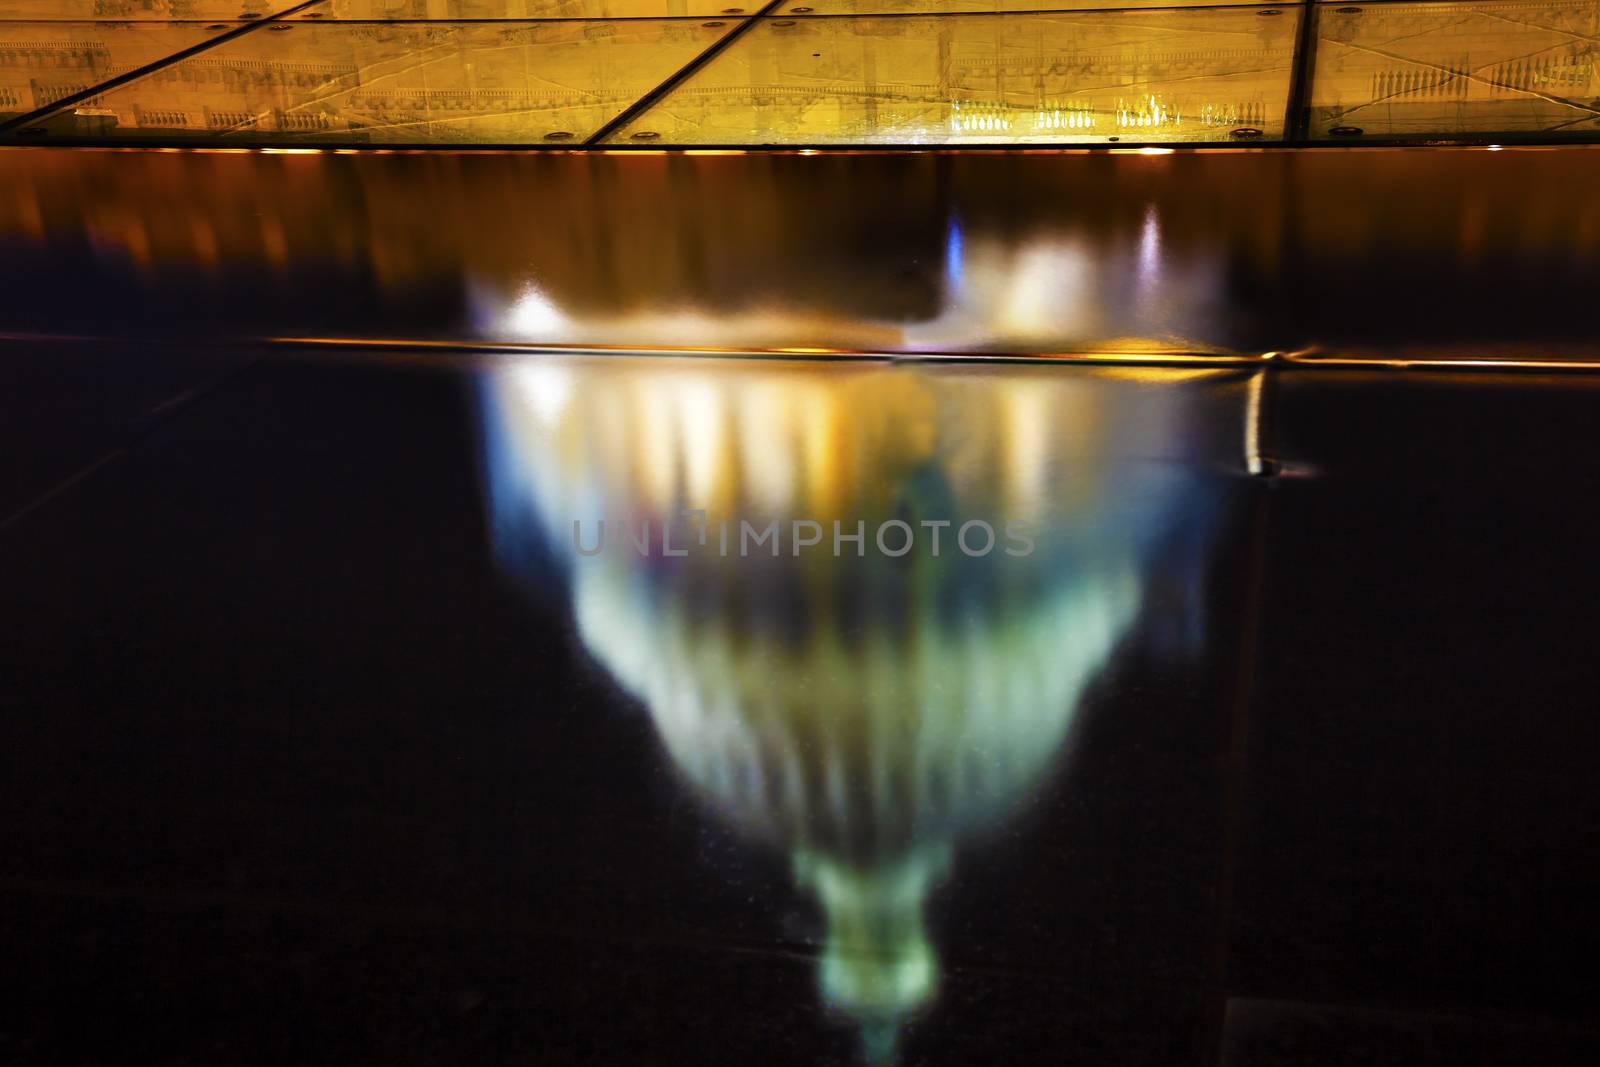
865,709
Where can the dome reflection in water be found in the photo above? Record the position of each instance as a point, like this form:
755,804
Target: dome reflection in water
865,705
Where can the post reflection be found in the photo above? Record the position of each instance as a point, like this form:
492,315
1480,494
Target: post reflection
867,706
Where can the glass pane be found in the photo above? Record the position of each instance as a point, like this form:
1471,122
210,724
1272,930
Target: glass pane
526,9
410,83
1134,76
126,10
41,62
950,7
1479,68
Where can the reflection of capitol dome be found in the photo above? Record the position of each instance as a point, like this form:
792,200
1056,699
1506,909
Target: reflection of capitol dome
867,713
866,751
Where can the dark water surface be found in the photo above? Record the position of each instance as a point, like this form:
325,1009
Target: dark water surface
1416,253
322,743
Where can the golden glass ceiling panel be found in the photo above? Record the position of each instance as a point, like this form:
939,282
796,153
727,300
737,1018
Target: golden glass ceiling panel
803,8
43,62
1087,77
141,10
1405,70
446,10
404,83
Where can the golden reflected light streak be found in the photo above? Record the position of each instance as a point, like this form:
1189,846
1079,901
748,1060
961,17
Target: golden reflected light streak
465,352
1307,359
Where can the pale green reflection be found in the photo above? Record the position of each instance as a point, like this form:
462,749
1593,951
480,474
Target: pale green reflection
865,712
